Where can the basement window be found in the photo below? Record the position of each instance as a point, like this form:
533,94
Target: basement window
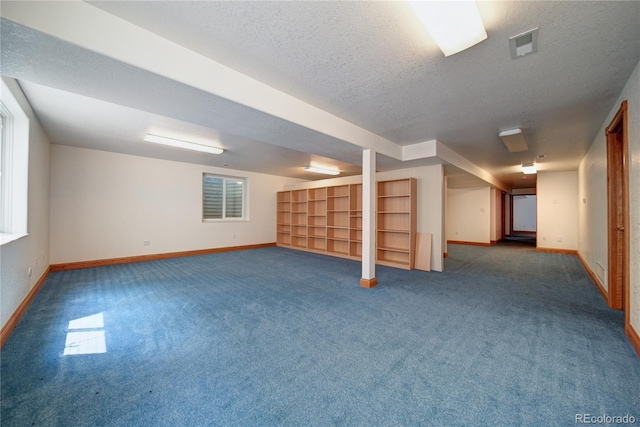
14,166
223,198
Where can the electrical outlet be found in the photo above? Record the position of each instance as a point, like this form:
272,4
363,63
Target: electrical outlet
146,243
30,271
544,238
234,236
559,239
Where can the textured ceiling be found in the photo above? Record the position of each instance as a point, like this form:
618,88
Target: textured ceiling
72,119
371,64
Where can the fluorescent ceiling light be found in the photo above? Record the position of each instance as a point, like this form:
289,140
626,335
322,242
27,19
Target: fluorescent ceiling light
454,25
514,140
182,144
529,168
321,170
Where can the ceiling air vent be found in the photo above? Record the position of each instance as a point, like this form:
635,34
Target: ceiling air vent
524,44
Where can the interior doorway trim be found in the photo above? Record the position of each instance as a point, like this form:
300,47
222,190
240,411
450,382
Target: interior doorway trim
618,212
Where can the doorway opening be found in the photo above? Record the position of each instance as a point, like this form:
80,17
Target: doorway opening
521,219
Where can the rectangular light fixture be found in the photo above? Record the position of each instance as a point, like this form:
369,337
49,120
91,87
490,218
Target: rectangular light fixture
182,144
529,168
321,170
514,140
454,25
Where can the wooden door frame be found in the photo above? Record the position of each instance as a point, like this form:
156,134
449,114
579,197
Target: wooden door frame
618,156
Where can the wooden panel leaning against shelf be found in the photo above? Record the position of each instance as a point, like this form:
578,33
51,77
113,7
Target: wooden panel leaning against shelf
329,220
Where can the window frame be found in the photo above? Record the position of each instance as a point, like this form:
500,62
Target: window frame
14,164
245,196
5,169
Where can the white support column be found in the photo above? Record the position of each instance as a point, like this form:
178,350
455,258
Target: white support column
368,279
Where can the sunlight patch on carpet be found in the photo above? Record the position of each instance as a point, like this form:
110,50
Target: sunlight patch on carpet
86,336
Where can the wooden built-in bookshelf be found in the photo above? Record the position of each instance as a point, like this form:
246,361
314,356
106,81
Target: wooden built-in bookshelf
299,218
338,220
396,223
329,220
317,219
355,221
284,218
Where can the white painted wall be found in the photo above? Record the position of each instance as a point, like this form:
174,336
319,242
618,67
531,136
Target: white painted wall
496,214
104,205
507,215
445,204
32,250
498,210
493,215
430,183
592,208
469,214
557,210
524,213
592,213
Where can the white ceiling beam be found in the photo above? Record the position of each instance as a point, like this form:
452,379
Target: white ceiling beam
420,150
98,31
455,159
434,148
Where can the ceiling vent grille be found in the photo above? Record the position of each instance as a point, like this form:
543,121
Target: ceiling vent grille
524,44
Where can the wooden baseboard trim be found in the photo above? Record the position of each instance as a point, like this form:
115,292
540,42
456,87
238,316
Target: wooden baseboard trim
368,283
634,338
558,251
445,255
462,242
17,315
151,257
594,278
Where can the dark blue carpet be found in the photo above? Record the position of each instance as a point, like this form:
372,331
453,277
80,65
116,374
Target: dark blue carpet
506,336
